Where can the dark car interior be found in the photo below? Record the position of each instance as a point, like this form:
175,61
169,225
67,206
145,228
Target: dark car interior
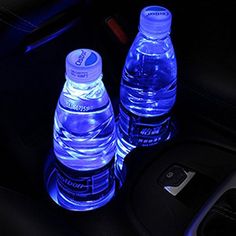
186,186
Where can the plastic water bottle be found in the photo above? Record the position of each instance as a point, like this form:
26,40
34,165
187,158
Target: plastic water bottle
148,85
84,135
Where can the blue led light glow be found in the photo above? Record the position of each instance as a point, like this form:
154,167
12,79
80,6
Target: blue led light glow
46,39
84,135
72,192
148,86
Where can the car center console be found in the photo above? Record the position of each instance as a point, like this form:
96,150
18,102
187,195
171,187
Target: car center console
185,186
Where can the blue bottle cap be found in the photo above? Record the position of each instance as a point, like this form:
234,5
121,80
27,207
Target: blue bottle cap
155,21
83,65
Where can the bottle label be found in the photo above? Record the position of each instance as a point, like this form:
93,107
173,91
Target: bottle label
85,185
143,131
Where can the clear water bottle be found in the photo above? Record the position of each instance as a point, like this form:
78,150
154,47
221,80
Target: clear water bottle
84,135
148,85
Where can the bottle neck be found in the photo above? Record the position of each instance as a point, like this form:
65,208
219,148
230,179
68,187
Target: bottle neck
72,85
84,93
160,36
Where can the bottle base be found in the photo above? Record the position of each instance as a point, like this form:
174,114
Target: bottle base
124,148
85,205
53,190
